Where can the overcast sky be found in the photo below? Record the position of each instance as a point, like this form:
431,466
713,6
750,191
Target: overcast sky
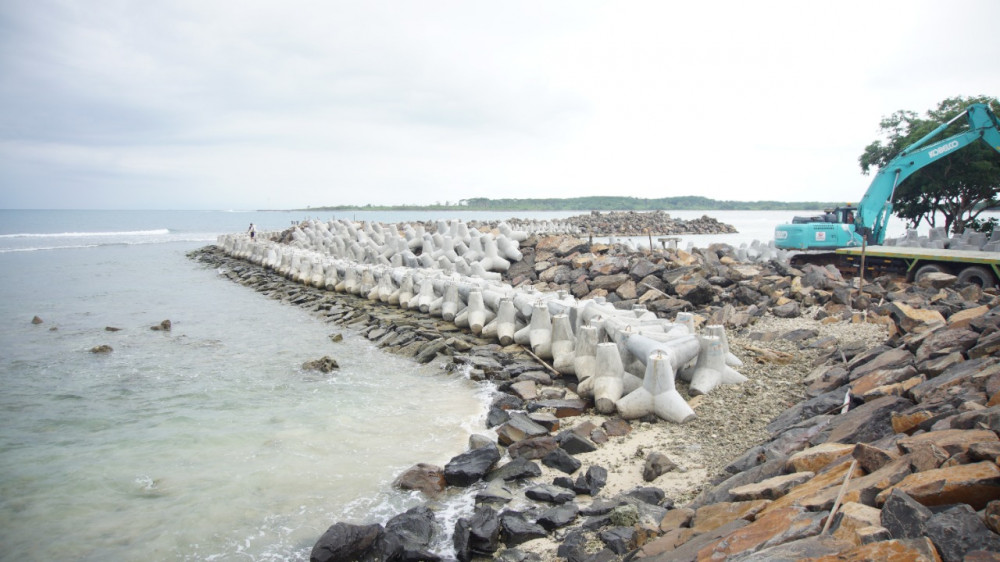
205,104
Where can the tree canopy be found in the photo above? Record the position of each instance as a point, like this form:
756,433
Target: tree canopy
956,188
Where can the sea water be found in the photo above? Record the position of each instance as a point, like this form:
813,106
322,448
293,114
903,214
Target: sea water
208,441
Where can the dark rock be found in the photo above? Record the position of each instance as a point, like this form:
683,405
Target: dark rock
344,541
470,466
822,404
656,465
484,531
558,516
518,428
496,416
460,540
619,539
559,459
407,537
573,547
648,494
957,531
517,529
36,320
550,493
801,334
162,326
904,516
867,422
516,469
575,444
790,309
592,481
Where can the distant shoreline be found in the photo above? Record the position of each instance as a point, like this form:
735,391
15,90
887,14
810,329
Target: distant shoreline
587,204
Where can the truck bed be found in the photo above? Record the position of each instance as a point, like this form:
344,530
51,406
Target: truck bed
934,254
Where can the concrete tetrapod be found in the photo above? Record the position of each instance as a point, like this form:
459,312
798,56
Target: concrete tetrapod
657,395
562,345
506,321
540,331
608,384
449,308
711,370
720,332
585,353
477,312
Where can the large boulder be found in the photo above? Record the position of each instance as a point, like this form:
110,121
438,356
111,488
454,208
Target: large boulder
470,466
344,541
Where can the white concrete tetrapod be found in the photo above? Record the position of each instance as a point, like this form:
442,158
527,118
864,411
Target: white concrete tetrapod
585,353
540,331
711,369
426,295
686,319
608,385
450,306
562,345
720,332
477,312
506,322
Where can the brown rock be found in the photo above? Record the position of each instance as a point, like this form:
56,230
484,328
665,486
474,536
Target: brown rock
526,390
868,422
926,456
881,377
952,441
862,489
777,527
895,389
962,318
975,484
426,478
616,427
991,516
833,476
716,515
101,349
815,458
533,448
915,319
854,516
943,342
771,488
892,359
906,550
676,518
36,320
872,458
987,345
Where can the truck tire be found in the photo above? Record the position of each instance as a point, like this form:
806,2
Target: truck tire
924,270
978,275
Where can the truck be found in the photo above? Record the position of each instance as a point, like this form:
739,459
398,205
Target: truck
847,232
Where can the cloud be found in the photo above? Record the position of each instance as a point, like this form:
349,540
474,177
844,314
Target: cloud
210,104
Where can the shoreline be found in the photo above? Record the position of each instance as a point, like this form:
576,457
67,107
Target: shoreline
756,334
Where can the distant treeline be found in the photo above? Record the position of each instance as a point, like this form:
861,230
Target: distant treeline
601,203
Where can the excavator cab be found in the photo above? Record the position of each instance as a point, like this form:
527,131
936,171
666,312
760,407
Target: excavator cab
833,229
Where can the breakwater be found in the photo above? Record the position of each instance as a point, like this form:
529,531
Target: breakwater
848,408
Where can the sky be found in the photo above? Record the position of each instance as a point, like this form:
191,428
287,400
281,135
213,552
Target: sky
209,104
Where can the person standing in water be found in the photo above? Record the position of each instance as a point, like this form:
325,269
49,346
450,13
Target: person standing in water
252,231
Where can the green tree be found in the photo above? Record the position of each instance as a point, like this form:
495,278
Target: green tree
956,188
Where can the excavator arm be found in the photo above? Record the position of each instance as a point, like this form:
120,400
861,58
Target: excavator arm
875,207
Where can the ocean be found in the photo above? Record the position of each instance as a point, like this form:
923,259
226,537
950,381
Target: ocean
208,441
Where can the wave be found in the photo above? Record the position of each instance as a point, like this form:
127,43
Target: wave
194,238
157,232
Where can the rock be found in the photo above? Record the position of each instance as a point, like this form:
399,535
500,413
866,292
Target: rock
647,494
815,458
533,448
951,441
561,408
101,349
619,540
517,469
953,376
808,548
988,345
408,537
771,529
676,518
975,484
550,493
656,465
426,478
852,518
558,516
162,326
110,329
325,364
36,320
912,319
519,427
866,423
957,531
872,458
717,515
343,541
483,531
936,280
592,482
560,460
992,516
787,310
575,444
470,466
517,529
772,488
907,550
